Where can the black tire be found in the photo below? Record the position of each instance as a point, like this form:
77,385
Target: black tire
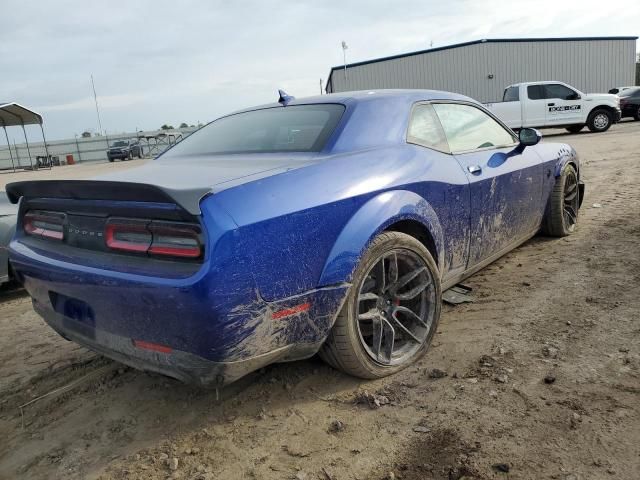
599,120
575,128
558,220
636,115
344,347
111,160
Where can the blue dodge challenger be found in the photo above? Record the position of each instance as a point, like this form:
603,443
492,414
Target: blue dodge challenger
325,225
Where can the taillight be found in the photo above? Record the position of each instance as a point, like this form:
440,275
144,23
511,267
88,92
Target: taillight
177,240
128,235
40,223
171,239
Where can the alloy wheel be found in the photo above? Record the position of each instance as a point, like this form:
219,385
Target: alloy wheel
571,200
395,307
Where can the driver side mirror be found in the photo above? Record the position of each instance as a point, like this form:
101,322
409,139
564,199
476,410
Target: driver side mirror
573,96
529,137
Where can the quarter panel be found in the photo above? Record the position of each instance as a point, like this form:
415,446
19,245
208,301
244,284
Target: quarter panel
372,218
289,223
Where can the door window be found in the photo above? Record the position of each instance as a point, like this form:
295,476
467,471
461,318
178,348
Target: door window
536,92
511,94
469,128
555,90
425,128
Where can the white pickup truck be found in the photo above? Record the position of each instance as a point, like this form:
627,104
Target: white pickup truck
555,105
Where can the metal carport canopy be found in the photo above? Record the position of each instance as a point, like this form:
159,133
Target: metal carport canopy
13,115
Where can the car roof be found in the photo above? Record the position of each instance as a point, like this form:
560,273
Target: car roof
407,96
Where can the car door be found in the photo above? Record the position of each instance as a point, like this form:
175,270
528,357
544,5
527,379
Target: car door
564,105
535,107
505,179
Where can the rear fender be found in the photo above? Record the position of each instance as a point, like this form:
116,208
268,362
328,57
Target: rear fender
372,218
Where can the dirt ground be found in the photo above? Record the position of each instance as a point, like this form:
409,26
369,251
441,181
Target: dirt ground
539,376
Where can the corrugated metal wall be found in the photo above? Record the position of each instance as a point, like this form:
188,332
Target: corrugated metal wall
589,65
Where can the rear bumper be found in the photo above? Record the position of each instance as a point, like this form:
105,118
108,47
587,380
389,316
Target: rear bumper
215,330
184,366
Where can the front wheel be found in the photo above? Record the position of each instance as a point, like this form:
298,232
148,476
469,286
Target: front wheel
561,216
599,120
391,312
636,115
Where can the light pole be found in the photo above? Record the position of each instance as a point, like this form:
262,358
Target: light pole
344,57
95,98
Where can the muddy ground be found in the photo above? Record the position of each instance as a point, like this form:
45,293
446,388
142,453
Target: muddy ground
566,310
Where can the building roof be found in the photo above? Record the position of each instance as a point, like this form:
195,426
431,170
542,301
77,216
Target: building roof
13,114
474,42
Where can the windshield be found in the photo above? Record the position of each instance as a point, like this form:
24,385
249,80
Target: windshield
296,128
629,92
119,144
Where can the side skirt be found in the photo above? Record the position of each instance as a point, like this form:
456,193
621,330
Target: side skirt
451,281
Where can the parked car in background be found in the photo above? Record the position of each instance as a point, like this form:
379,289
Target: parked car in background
8,215
556,105
630,102
329,224
617,90
124,150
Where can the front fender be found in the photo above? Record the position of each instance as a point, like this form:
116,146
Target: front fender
376,215
566,154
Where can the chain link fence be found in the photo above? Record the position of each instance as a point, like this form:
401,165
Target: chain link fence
87,149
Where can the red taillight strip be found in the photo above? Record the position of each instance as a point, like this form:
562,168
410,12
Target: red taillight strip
154,347
55,219
303,307
186,252
112,242
177,232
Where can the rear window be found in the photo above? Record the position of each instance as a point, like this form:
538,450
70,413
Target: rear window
296,128
511,94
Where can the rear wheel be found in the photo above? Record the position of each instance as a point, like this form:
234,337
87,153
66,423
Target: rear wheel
391,312
561,217
575,128
599,120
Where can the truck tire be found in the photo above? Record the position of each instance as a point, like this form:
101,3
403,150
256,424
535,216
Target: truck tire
561,216
599,120
575,128
377,332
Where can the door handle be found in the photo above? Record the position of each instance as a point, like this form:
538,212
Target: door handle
550,104
475,169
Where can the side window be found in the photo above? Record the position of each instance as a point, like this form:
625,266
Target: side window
536,92
555,90
469,128
511,94
425,129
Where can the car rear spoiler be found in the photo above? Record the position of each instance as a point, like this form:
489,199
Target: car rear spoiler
187,198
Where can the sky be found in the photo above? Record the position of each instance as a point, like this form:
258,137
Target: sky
157,62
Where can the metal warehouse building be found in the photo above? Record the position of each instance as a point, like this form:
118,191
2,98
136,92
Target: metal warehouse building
483,68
